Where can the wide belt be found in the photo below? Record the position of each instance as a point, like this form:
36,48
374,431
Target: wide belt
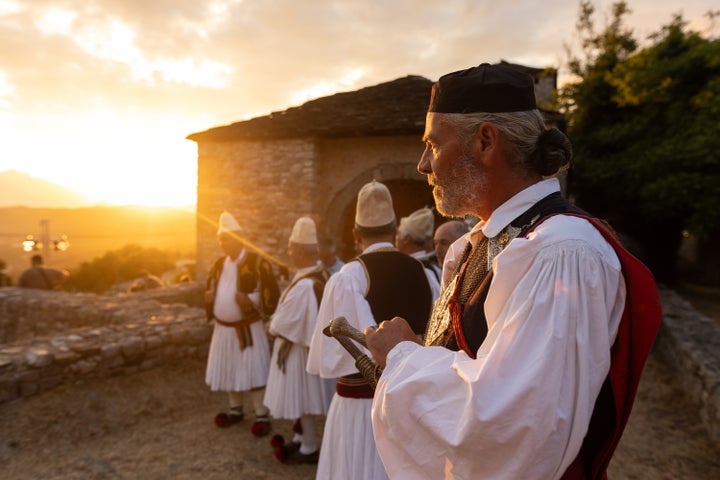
242,329
353,386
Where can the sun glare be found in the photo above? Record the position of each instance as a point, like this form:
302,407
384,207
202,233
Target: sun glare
136,158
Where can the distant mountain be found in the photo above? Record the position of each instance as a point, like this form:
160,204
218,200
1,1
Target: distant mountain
21,189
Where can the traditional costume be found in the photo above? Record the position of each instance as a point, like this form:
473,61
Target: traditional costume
239,356
291,392
525,344
419,225
380,283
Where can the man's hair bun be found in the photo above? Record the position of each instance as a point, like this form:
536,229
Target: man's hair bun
552,153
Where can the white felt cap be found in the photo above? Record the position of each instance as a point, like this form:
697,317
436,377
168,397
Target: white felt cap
374,206
304,231
227,223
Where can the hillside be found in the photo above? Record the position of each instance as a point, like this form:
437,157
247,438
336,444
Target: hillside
93,231
20,189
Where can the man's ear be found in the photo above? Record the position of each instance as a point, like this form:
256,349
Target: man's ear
485,141
358,240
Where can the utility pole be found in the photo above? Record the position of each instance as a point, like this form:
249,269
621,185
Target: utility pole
43,242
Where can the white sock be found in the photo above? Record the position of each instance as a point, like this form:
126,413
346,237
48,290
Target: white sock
308,443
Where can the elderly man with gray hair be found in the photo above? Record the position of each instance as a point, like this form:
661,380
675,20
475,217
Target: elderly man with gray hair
534,350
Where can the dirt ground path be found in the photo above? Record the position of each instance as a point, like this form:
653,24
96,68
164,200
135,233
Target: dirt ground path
158,425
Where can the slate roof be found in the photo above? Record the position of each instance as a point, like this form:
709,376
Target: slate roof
397,107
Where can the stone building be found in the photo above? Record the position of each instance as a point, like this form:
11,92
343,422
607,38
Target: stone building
313,159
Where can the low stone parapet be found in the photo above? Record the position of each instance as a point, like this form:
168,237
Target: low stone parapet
28,313
86,336
689,344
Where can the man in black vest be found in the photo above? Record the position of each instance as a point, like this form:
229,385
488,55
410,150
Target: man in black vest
241,292
518,348
377,285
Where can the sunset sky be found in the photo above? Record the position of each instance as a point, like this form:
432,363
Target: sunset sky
99,95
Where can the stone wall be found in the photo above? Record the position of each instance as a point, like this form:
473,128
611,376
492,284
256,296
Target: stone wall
51,338
267,185
689,344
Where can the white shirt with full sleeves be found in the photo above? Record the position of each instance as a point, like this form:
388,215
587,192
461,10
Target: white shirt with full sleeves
348,449
230,369
293,392
521,409
296,313
344,296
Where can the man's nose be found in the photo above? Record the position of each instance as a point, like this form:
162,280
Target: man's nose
423,165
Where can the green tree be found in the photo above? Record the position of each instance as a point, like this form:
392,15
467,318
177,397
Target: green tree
645,130
118,266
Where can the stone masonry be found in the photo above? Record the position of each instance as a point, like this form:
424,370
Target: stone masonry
689,344
312,160
49,338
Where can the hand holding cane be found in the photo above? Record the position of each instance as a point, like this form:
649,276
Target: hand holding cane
343,332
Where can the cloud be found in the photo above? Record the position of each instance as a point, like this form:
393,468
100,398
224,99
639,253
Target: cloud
263,54
81,75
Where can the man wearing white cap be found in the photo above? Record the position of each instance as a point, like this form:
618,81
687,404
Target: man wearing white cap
291,392
411,237
241,292
373,287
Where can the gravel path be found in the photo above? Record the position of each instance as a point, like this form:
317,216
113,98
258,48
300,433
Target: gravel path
158,425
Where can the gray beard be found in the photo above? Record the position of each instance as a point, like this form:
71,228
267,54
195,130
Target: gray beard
462,192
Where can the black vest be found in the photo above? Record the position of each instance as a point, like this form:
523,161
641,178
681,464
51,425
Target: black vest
253,272
474,323
397,287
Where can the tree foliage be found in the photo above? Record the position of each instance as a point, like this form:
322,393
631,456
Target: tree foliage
645,130
117,266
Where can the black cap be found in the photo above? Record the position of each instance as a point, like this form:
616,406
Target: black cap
485,88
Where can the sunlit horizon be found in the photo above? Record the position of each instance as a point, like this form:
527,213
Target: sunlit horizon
124,162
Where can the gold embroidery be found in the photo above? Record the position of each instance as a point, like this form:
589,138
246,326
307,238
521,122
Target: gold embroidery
440,317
